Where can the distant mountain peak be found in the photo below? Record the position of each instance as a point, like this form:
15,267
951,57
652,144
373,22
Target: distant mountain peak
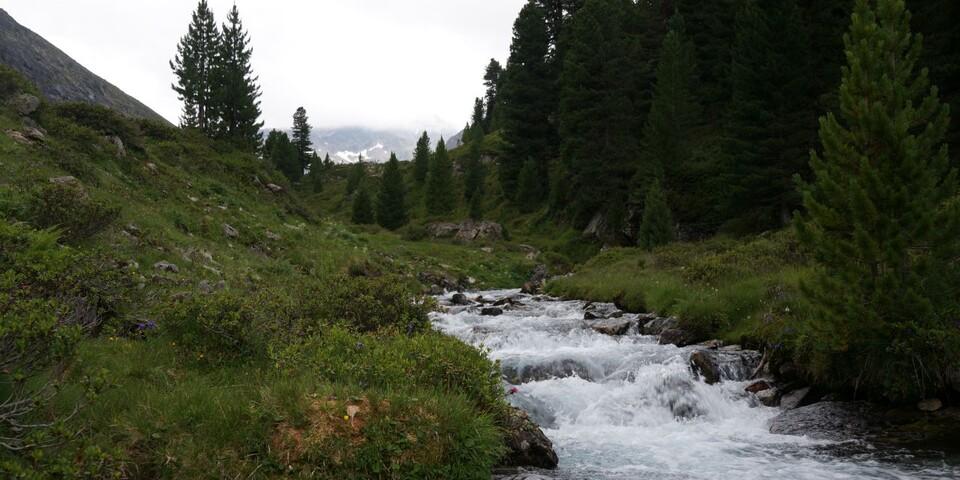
59,77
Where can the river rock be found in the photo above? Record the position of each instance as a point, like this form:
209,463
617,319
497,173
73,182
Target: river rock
827,420
657,325
796,398
527,446
459,299
537,372
727,363
491,311
674,336
758,386
536,282
769,397
930,405
705,365
612,326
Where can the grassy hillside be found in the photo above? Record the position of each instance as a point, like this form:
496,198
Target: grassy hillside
167,314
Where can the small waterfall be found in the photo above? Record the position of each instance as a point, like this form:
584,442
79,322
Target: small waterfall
628,408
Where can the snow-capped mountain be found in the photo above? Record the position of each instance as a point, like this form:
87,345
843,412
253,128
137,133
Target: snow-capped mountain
345,145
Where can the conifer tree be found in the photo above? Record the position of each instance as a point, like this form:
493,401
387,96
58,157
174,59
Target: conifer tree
473,172
327,163
194,64
476,206
883,219
492,80
477,119
316,173
421,159
391,202
440,197
357,173
530,193
301,136
282,154
657,226
362,213
236,93
528,98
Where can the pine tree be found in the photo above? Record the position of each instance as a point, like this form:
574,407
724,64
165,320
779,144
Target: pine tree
528,99
357,173
657,226
473,172
301,136
194,64
282,155
327,163
530,194
711,26
440,197
771,123
477,119
316,173
421,159
476,206
598,117
362,213
492,80
883,219
236,93
391,203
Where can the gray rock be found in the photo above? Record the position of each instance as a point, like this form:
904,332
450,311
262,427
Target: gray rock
18,137
230,232
795,399
674,336
118,145
657,325
612,326
827,420
65,180
769,397
272,236
166,267
527,446
758,386
491,311
525,476
273,187
466,231
24,104
536,282
459,299
705,365
930,405
34,134
726,363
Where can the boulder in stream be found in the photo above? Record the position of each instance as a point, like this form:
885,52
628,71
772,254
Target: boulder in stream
527,446
612,326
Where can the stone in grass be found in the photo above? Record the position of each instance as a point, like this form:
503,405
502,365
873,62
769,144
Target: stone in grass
166,267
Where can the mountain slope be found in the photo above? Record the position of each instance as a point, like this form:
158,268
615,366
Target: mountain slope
58,76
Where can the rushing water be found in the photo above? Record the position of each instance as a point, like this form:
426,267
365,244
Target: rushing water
628,408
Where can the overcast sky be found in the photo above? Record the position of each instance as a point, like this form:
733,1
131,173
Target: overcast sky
405,64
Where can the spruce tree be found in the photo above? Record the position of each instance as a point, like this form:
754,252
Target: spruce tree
771,122
530,194
391,202
528,99
473,172
476,206
657,226
421,159
477,119
883,219
492,80
301,136
357,173
440,199
362,212
282,155
236,93
327,163
194,65
316,173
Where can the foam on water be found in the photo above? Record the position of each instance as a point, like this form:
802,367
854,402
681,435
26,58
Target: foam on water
628,408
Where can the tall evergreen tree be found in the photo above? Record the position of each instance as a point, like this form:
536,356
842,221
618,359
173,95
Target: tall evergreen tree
530,194
301,136
194,64
528,98
477,123
282,155
236,93
440,198
771,123
327,163
391,202
883,219
657,226
421,159
492,80
711,26
598,119
473,172
357,173
362,211
316,173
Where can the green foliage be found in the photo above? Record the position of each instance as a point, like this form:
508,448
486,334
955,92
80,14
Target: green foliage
236,93
217,329
657,226
362,209
12,83
282,155
421,159
195,66
530,193
474,173
103,121
391,202
883,220
440,197
317,169
69,208
358,172
301,137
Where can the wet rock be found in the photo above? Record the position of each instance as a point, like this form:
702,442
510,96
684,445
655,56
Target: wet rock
612,326
758,386
727,363
527,446
769,397
506,302
678,395
166,267
440,282
705,366
930,405
524,476
657,325
491,311
711,344
674,336
520,374
536,282
459,299
24,104
796,398
827,420
230,232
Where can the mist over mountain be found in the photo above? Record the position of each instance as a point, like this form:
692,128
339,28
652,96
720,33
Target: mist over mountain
347,144
58,76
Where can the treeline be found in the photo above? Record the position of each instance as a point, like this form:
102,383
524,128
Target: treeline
604,102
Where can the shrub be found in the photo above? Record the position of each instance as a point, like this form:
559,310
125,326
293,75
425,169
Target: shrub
218,328
368,304
103,121
67,206
12,83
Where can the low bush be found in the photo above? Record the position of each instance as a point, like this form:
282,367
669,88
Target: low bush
103,121
67,206
12,83
367,304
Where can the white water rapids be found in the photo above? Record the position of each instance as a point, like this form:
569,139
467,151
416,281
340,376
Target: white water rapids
628,408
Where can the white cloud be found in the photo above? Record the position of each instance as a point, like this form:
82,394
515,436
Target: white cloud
409,64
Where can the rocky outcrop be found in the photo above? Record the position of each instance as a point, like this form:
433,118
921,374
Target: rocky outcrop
612,326
24,104
59,77
675,336
439,282
796,398
725,363
536,282
467,231
527,446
